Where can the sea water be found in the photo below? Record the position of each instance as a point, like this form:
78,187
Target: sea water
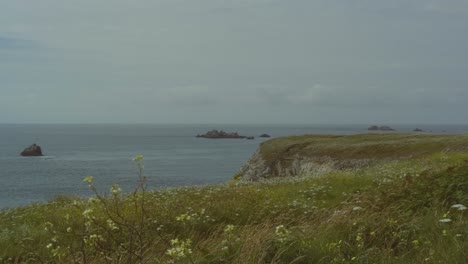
173,156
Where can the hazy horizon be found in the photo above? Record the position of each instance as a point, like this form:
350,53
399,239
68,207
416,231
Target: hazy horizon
234,62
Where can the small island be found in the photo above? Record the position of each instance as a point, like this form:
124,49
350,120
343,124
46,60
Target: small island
380,128
32,151
222,134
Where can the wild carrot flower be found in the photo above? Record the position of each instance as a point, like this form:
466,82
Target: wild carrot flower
282,233
445,220
115,189
88,179
111,224
459,207
138,158
229,229
180,249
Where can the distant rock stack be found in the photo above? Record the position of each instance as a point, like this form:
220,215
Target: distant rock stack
265,136
380,128
32,151
221,134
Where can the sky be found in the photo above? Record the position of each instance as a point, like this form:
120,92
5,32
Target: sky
234,61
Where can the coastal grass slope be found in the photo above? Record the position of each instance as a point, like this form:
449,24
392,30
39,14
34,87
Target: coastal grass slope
308,154
399,210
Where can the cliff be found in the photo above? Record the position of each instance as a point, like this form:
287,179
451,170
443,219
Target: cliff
317,154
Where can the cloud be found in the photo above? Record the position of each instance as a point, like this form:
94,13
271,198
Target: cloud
14,43
448,7
212,58
191,95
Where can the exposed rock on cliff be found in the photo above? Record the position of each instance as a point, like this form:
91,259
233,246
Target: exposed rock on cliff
313,155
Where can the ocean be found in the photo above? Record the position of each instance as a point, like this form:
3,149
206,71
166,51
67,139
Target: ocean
173,156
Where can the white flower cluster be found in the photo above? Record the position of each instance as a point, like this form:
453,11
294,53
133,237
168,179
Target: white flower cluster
194,217
180,249
459,207
282,234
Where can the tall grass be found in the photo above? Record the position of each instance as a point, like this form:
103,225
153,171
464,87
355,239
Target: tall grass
390,212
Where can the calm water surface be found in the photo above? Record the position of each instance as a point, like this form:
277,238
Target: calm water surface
172,155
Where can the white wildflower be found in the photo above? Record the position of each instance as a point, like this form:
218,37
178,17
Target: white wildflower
180,249
445,220
282,233
357,208
229,229
88,179
111,224
459,207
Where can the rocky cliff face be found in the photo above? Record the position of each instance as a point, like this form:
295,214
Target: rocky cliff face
314,155
257,168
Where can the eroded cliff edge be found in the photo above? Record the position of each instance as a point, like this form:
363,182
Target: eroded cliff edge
316,154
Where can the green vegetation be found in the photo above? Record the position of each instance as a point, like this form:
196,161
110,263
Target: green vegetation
338,151
398,210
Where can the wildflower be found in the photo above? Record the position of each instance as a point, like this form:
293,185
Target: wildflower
88,179
229,229
87,212
138,158
445,220
180,249
357,208
459,207
458,235
282,233
183,217
112,225
48,226
69,229
93,239
93,200
115,189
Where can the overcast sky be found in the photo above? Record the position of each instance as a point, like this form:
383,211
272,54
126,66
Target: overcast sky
234,61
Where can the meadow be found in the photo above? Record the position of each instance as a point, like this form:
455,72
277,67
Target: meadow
407,206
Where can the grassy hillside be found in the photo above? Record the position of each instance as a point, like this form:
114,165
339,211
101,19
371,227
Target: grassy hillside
407,210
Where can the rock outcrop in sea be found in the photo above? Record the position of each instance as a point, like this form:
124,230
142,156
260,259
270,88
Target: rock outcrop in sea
265,136
221,134
380,128
32,151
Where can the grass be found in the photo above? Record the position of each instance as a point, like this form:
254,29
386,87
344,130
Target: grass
385,212
353,150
